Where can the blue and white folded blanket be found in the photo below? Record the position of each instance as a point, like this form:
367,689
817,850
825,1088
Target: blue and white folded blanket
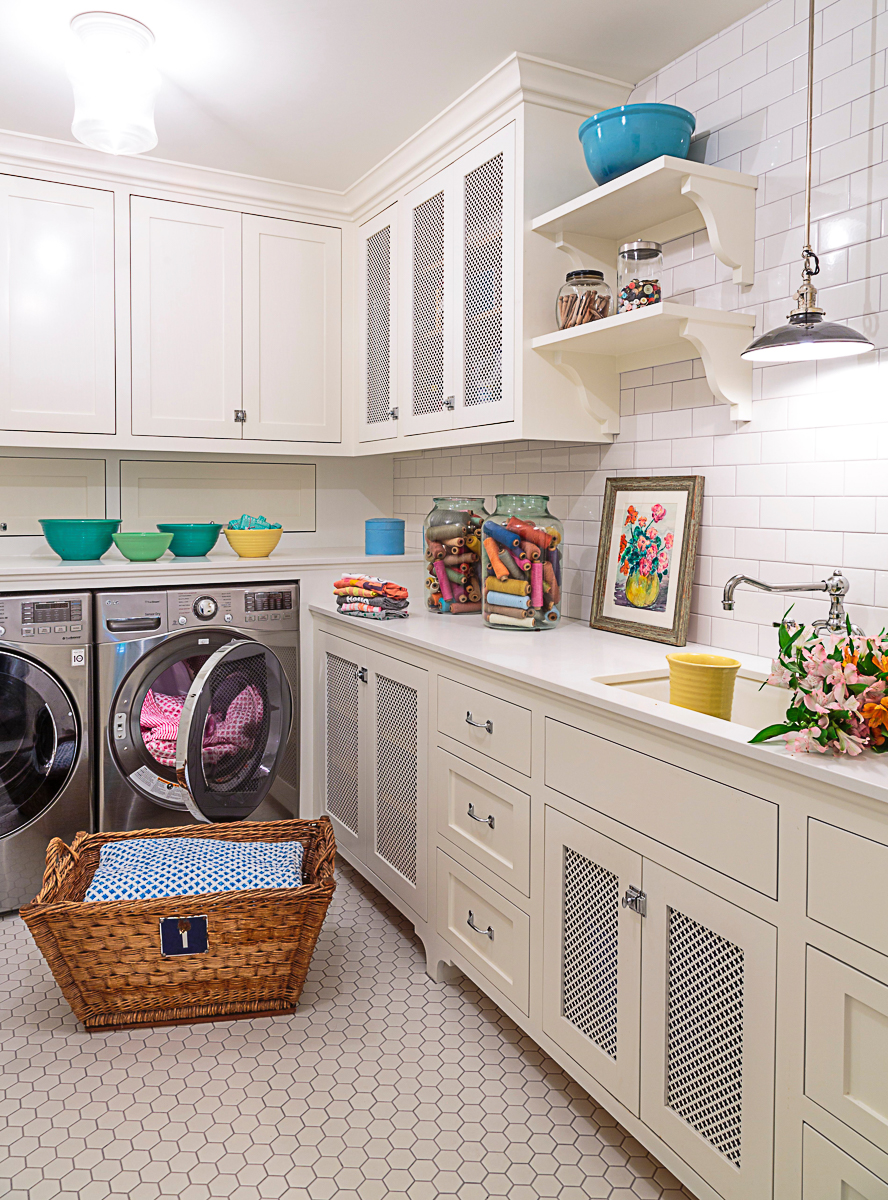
151,868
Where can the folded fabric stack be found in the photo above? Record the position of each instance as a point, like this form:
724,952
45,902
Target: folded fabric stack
367,596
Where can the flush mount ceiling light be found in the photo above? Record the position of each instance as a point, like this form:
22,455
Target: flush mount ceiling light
807,336
115,83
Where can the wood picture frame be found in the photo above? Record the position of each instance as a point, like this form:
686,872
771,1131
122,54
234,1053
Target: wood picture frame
646,556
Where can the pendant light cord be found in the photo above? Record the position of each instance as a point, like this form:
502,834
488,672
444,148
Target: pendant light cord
808,300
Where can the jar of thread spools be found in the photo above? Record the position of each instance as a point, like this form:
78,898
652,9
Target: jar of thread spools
451,538
521,564
584,297
639,271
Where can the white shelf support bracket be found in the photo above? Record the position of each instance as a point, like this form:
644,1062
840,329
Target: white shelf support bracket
729,213
585,251
597,382
728,375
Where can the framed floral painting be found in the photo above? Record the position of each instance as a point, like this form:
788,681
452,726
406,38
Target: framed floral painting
646,556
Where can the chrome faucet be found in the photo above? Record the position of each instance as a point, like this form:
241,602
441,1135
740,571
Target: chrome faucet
836,587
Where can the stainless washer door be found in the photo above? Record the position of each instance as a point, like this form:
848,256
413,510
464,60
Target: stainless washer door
39,740
233,732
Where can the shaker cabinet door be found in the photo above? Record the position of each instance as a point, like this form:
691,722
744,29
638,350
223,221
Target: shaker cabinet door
292,312
186,319
378,282
343,741
56,307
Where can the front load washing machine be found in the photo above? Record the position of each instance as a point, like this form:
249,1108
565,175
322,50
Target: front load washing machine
198,693
45,717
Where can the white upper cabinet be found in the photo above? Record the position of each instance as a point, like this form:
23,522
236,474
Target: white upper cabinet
56,307
377,306
186,319
292,300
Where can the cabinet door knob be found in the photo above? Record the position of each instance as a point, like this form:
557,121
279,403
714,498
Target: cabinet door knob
636,900
361,673
489,820
488,932
488,725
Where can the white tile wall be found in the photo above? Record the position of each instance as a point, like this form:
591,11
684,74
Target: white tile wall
803,487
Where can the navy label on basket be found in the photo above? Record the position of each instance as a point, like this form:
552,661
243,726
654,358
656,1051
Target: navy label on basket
183,935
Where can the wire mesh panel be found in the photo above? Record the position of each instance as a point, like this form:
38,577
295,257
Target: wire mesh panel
397,732
428,306
704,1046
343,749
591,908
484,283
379,261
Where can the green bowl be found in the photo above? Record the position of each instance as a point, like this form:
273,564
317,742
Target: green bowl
142,547
191,540
79,540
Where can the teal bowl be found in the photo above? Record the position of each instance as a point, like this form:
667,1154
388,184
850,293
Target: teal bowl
620,139
79,540
191,540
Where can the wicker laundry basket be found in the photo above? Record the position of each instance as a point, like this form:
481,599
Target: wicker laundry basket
106,957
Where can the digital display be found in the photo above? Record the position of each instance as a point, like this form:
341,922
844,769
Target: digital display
268,601
48,611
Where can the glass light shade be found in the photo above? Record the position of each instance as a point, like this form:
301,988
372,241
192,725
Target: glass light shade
115,83
806,337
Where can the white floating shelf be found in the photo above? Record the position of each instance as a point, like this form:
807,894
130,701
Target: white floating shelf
593,355
664,199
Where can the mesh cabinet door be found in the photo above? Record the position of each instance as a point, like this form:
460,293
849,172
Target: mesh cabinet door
233,732
379,242
707,1066
592,971
342,752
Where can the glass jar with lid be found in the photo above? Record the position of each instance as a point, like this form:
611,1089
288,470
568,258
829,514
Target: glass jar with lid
521,564
639,271
584,296
451,538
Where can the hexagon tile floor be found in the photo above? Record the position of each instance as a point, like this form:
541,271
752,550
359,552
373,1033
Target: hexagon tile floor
383,1086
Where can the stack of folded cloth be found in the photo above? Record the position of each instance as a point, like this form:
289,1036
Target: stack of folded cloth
366,596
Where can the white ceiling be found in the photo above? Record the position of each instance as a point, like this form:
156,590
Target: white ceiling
317,91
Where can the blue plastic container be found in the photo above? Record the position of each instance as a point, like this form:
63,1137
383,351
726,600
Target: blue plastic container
384,535
620,139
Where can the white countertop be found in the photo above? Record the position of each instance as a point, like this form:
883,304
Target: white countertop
567,660
46,571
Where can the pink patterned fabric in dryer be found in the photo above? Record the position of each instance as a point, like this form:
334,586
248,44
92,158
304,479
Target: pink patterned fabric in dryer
223,736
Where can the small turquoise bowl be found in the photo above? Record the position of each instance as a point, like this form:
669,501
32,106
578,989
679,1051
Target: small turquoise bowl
192,540
620,139
79,540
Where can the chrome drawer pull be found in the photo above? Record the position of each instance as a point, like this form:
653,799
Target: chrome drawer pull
488,932
491,821
488,725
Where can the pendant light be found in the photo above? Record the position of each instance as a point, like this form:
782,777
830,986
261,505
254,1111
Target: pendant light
807,336
115,83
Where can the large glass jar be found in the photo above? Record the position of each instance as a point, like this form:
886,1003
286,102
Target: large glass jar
639,271
451,538
584,297
521,564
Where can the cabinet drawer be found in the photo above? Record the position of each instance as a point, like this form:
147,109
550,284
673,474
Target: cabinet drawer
846,1045
502,729
848,883
732,831
501,950
831,1174
488,819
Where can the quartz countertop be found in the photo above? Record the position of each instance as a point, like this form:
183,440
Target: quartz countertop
566,661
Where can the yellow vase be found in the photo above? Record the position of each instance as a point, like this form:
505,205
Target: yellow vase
642,590
703,682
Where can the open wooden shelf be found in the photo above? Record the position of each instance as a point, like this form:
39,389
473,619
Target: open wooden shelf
593,355
664,199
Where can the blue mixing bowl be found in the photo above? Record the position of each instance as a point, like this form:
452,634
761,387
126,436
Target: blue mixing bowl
79,540
620,139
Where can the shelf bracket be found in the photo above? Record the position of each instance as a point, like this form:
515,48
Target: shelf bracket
732,232
728,375
597,382
583,250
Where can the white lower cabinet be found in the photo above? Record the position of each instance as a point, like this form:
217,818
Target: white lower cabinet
375,734
828,1173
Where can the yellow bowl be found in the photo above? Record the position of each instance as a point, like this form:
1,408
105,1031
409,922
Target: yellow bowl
703,682
253,543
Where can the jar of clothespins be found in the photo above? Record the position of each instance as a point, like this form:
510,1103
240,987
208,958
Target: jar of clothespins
584,297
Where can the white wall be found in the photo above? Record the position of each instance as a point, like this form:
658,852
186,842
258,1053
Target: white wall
803,487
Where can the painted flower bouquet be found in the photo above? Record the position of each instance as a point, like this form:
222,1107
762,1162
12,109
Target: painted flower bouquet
839,684
644,555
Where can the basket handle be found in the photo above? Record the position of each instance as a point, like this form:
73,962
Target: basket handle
59,858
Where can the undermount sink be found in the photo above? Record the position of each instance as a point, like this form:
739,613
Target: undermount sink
754,706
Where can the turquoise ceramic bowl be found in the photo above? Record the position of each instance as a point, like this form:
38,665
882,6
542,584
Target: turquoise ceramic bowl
620,139
142,547
191,540
79,540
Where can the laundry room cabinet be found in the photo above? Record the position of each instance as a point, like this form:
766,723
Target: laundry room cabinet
374,747
236,325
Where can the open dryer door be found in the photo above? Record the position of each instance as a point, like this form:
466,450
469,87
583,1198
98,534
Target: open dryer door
233,732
